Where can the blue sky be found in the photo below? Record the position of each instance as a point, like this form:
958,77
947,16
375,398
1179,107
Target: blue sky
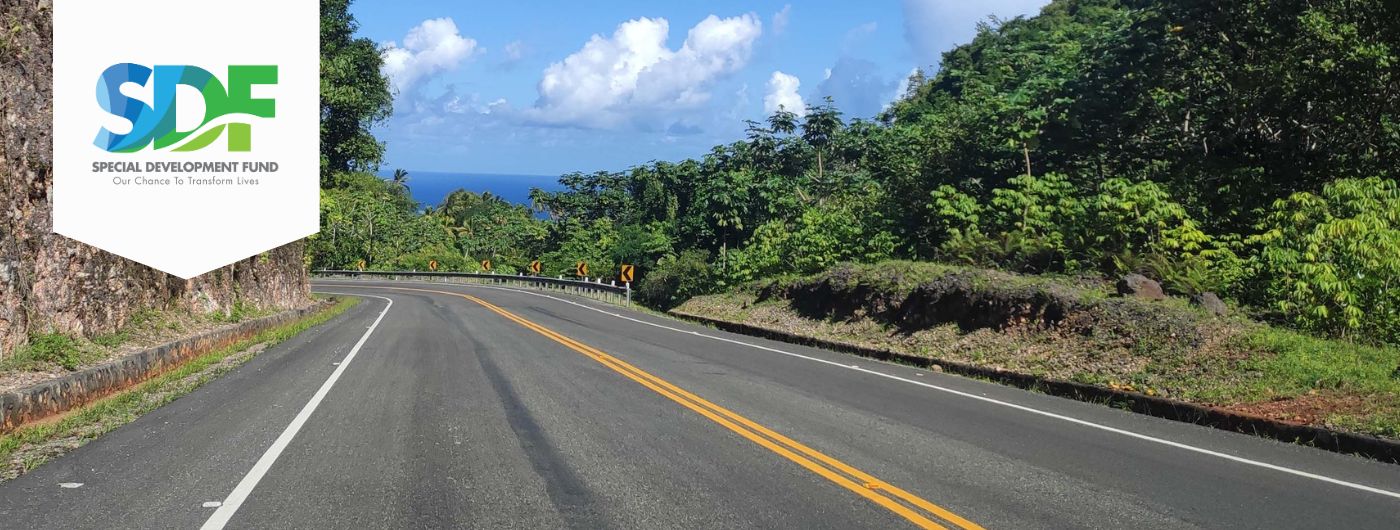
499,87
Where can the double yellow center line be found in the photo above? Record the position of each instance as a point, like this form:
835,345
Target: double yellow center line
917,510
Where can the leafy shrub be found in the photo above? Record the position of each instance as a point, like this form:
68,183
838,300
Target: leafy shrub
57,348
642,244
1331,262
1140,217
1188,275
582,241
449,259
1137,227
1036,218
818,239
675,279
824,237
956,222
762,257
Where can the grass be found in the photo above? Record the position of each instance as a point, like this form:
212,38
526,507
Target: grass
239,311
141,320
1300,363
98,418
50,349
1166,348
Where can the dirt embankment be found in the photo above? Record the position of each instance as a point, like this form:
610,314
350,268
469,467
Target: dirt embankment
49,283
1078,330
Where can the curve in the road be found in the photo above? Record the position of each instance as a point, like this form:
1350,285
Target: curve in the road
888,496
1023,408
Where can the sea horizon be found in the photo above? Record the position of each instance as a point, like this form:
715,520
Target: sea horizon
429,188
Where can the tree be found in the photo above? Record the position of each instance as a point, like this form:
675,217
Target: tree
354,95
400,179
819,128
1331,261
726,202
782,122
1099,135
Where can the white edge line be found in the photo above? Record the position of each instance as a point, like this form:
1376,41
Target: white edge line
1085,423
245,487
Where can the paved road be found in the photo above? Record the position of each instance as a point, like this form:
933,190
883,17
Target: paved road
465,406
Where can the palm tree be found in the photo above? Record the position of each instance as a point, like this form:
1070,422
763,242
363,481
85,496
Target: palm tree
400,179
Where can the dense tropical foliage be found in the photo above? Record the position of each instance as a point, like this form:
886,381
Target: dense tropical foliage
1246,148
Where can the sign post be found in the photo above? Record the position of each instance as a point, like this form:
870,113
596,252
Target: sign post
628,273
433,265
535,267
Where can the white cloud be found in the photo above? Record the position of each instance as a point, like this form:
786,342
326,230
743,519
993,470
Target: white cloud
781,19
511,55
613,79
496,107
782,93
514,51
450,102
857,87
433,46
932,27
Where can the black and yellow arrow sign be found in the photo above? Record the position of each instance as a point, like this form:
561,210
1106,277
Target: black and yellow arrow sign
581,269
360,265
486,264
628,272
536,267
432,265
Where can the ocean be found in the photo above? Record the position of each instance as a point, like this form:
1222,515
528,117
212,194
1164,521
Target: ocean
429,187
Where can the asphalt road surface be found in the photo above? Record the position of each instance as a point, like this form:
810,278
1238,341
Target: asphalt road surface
434,406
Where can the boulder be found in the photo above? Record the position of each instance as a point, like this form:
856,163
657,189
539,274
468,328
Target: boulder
1139,286
1210,302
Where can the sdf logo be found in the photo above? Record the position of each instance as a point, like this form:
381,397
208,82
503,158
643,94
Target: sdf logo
186,135
156,122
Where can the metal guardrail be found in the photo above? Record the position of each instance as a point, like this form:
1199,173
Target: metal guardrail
596,289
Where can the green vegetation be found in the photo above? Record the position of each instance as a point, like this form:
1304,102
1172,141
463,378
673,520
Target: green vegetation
30,446
1067,328
375,221
1331,261
1242,148
354,96
1296,363
50,349
239,311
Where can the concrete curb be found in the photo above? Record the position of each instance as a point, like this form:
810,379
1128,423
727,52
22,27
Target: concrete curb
65,393
1322,438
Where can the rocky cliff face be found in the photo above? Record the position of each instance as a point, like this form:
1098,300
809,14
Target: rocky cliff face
51,283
